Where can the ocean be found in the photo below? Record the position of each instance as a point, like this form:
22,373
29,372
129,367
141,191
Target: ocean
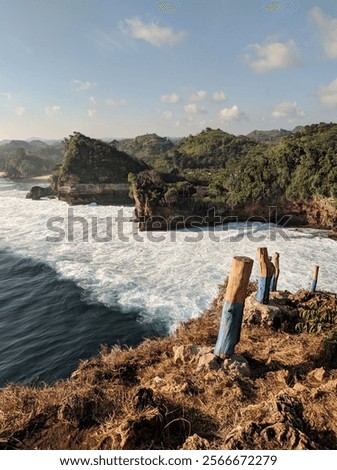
75,278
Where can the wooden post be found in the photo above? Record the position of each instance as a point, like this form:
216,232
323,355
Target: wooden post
271,273
265,273
274,280
232,312
314,279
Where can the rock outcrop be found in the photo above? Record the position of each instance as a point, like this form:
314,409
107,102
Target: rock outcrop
38,192
167,201
94,171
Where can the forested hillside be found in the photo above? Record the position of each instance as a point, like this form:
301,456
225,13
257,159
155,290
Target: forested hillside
239,175
22,159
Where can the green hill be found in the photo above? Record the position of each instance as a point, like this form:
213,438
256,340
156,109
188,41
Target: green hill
240,177
147,147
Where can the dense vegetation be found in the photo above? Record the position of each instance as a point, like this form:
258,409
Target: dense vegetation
95,161
148,147
303,166
21,159
238,170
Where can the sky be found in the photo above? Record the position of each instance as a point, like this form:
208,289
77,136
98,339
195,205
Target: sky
112,68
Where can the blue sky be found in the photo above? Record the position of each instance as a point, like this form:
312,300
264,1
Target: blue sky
113,68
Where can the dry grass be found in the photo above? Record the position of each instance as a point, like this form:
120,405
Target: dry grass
141,399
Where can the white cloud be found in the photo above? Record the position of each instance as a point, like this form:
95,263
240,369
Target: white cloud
168,114
192,109
200,95
152,33
288,110
52,110
111,102
327,28
170,98
219,96
83,86
92,100
232,114
92,112
20,110
328,94
272,56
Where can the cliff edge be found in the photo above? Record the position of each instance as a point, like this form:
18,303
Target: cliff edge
278,392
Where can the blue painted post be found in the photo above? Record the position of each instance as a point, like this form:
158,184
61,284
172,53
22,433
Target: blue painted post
271,273
265,274
234,301
314,279
274,279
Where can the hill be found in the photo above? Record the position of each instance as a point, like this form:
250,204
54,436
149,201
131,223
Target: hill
269,136
147,147
238,177
94,171
22,159
211,148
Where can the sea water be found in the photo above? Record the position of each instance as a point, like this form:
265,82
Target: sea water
73,278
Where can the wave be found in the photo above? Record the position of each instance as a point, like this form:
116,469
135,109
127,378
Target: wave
165,276
47,324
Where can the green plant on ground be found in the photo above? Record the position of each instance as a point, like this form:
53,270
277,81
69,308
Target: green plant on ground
316,320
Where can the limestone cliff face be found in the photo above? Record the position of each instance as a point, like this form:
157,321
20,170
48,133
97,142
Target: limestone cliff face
165,201
319,212
94,171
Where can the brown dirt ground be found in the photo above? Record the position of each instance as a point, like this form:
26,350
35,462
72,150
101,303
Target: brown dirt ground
142,399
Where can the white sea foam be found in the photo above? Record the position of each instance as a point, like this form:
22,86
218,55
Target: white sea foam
170,280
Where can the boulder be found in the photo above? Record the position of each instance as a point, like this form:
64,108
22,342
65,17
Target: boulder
183,354
237,365
37,192
317,375
207,360
256,313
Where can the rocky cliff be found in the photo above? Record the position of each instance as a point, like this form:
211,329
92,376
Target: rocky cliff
94,171
162,203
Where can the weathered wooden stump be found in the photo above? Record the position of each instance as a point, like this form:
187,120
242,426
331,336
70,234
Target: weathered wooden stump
314,279
265,275
274,279
232,312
